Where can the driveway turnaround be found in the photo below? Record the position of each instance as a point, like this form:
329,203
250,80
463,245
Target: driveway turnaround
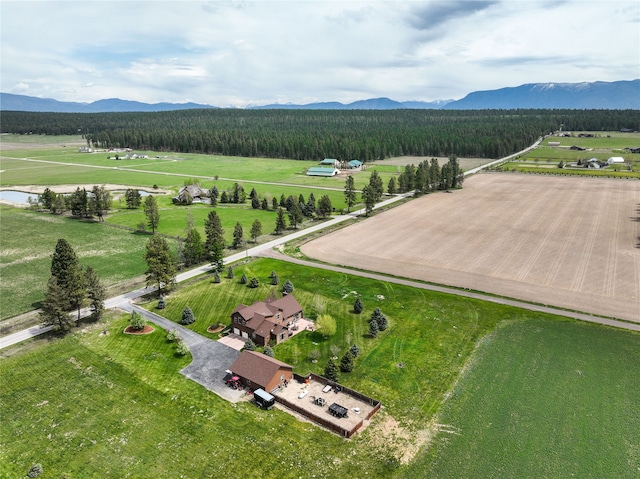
211,359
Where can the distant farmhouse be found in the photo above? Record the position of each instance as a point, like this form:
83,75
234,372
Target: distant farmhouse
268,320
191,194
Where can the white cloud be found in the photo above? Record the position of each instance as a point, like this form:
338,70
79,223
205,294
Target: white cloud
235,53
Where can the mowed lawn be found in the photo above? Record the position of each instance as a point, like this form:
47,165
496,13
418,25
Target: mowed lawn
543,399
29,239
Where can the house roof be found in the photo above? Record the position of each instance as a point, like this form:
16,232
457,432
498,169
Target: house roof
329,161
355,163
321,171
257,367
288,304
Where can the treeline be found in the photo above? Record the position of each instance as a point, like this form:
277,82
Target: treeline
315,134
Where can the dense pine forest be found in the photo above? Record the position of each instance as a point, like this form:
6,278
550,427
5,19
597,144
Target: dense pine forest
315,134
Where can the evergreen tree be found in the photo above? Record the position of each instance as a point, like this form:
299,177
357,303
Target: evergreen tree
255,203
187,316
380,319
375,182
265,204
274,278
243,279
268,351
137,321
230,272
213,195
48,197
100,201
238,236
254,282
355,350
350,192
358,307
373,329
152,212
324,206
287,287
161,268
132,198
95,292
347,362
368,196
331,371
256,230
193,247
274,203
224,197
281,222
391,186
214,241
249,345
295,216
54,308
68,272
216,277
309,208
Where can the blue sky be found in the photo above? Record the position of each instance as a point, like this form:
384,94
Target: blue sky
239,53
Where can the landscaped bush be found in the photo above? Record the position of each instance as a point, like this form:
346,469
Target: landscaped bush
137,322
187,316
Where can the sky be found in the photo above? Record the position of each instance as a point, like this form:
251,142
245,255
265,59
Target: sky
240,53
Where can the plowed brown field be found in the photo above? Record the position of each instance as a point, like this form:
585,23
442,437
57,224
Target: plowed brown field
567,242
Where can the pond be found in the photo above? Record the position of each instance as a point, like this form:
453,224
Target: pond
19,197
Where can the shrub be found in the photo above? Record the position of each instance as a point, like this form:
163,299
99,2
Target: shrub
243,279
274,278
358,307
172,335
287,287
373,329
230,272
249,345
137,322
327,325
181,348
268,351
35,470
254,283
187,316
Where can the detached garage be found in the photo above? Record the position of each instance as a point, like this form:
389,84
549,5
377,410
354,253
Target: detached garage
257,370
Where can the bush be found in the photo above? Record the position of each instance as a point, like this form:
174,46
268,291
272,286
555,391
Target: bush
268,351
287,287
172,335
181,348
187,316
243,279
137,322
230,272
249,345
254,283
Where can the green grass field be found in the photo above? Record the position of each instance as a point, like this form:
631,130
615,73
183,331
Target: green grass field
91,405
542,399
545,158
28,240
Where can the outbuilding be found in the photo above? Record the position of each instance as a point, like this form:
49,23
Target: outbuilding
322,171
615,159
259,371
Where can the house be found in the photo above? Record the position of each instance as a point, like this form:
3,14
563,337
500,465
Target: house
257,370
593,163
615,159
191,194
322,171
268,320
355,164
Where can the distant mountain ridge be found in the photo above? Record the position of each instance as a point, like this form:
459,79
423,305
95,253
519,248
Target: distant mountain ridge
619,95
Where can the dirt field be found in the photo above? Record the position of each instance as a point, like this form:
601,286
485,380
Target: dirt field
567,242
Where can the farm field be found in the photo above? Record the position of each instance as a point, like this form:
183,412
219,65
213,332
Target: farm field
567,242
92,405
602,145
529,406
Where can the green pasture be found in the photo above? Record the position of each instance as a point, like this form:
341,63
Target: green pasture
542,399
28,240
115,405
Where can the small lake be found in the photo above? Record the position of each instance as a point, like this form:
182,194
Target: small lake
19,197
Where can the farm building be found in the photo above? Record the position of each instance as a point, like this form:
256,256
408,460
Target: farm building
330,162
593,163
322,171
268,320
615,159
257,370
355,164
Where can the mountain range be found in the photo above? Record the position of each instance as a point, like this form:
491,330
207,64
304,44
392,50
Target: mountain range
618,95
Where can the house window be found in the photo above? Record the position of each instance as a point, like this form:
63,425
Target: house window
278,316
282,336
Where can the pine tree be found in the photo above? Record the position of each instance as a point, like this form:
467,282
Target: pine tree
214,240
324,206
380,319
243,279
161,268
254,282
249,345
373,329
368,196
187,316
375,182
132,198
151,212
95,292
256,230
350,192
53,311
358,307
391,186
274,278
295,216
68,272
347,362
238,236
331,371
268,351
355,350
230,272
193,247
216,277
287,287
281,222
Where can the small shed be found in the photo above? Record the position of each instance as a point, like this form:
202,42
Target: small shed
322,171
615,159
263,399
